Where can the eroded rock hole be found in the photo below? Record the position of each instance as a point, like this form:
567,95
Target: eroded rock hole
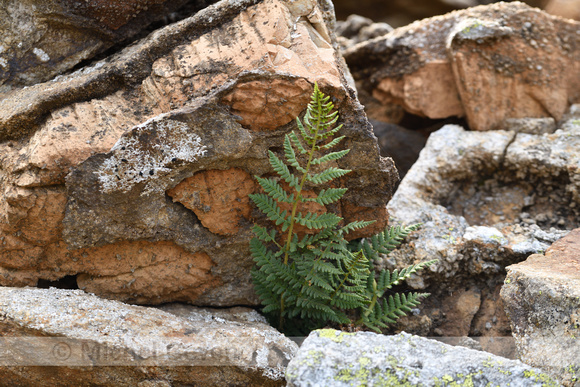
497,199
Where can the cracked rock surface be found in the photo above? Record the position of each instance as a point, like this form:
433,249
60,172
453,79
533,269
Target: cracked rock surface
101,342
486,200
131,175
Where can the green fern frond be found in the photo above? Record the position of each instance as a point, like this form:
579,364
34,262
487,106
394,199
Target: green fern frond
318,277
327,175
327,196
283,171
273,189
330,157
386,241
270,207
315,221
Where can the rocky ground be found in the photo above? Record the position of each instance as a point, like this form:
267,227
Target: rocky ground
130,133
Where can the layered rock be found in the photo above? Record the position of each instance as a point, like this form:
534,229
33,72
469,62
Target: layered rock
486,200
487,63
133,174
542,299
333,358
41,39
99,342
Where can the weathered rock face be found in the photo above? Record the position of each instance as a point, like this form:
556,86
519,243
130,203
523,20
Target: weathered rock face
50,333
333,358
488,63
41,39
542,300
486,200
133,174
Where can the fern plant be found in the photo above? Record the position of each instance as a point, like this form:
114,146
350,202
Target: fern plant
319,276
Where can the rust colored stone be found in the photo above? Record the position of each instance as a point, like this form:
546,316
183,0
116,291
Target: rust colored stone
268,105
353,212
218,198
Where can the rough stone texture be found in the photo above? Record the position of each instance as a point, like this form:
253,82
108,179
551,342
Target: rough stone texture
488,63
101,168
42,39
333,358
100,343
486,200
219,199
542,299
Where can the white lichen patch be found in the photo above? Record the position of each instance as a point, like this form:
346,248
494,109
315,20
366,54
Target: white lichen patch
148,154
41,54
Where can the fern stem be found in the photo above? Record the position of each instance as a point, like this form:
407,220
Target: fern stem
295,206
299,190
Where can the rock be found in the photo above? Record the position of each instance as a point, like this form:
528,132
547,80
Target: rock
564,8
356,29
477,195
131,175
333,358
542,300
42,39
488,63
100,342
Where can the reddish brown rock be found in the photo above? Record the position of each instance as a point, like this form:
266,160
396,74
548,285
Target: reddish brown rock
86,160
218,198
488,63
353,212
268,105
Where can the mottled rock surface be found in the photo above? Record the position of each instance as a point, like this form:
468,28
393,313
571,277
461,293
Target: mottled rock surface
542,299
487,63
486,200
42,39
333,358
55,337
132,174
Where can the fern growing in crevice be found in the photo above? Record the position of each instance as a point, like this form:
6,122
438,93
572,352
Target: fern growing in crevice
319,277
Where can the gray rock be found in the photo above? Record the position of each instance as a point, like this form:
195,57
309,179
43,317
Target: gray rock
478,195
334,358
41,39
96,342
542,300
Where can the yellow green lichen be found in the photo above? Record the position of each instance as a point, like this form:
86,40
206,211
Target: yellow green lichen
333,335
540,377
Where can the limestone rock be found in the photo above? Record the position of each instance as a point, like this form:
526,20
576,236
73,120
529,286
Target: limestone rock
132,174
333,358
486,200
42,39
488,63
542,300
99,342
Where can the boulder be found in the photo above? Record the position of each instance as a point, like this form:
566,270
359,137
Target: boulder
486,200
131,175
542,299
333,358
487,63
57,337
42,39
